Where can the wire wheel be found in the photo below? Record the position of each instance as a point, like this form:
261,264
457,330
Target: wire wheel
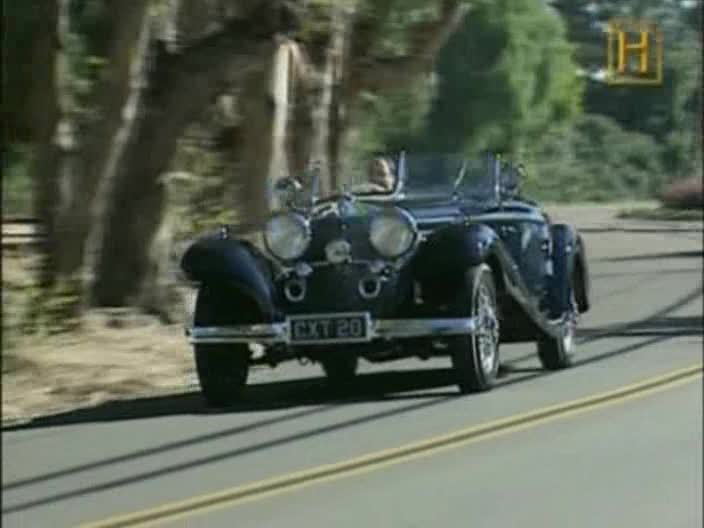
558,352
486,337
475,357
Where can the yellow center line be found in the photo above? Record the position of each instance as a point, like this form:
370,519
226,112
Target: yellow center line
412,451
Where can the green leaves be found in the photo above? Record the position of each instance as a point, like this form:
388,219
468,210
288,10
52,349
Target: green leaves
667,113
506,75
596,160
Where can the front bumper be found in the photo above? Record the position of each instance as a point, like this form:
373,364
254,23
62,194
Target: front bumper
279,333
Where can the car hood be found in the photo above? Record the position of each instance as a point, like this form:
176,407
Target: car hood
350,220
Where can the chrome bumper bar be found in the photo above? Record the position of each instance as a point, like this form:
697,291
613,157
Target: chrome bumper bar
279,333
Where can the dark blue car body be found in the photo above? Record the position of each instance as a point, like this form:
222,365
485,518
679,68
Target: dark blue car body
538,271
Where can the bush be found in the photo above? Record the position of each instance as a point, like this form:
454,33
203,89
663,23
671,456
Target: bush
595,160
684,194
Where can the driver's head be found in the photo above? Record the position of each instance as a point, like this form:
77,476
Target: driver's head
381,173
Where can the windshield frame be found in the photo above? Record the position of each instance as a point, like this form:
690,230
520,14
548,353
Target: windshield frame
490,168
484,171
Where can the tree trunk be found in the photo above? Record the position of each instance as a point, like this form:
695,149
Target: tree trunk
262,157
45,113
277,135
174,90
338,110
280,90
326,113
76,207
299,139
180,85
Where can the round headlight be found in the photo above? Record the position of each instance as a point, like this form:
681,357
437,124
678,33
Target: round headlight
287,236
393,234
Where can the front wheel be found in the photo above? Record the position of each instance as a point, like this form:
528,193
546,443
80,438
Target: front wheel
222,372
222,368
475,357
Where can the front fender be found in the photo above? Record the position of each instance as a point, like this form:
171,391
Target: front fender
441,264
232,265
569,270
450,251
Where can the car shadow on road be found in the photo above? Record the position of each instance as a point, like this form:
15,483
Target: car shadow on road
267,396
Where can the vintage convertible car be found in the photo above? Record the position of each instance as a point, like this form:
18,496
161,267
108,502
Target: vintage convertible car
450,261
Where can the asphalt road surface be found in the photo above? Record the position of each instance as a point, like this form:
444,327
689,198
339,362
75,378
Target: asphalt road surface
615,441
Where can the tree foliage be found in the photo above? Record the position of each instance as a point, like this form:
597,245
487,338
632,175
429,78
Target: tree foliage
507,75
334,79
580,163
669,113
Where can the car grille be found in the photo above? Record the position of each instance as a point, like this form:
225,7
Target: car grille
354,230
336,289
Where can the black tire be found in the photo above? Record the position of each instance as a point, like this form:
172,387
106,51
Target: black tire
222,368
557,353
475,358
340,369
222,372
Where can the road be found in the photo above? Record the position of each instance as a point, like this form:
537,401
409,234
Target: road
615,441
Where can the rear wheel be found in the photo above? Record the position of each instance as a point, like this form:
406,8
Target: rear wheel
475,357
558,352
222,368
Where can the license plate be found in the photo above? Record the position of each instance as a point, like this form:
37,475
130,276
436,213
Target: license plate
338,328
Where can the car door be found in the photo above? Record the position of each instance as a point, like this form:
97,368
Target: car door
526,235
535,255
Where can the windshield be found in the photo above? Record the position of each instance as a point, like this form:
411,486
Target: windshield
419,176
442,175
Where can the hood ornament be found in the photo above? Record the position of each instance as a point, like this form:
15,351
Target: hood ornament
338,251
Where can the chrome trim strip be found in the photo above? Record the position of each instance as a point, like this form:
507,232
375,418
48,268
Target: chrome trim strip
279,333
405,328
432,220
262,333
507,216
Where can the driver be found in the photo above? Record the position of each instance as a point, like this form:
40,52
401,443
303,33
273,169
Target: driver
381,175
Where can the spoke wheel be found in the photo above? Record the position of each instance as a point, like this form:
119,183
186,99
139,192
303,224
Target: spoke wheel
475,358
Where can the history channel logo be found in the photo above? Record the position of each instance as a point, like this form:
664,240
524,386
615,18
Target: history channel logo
634,52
